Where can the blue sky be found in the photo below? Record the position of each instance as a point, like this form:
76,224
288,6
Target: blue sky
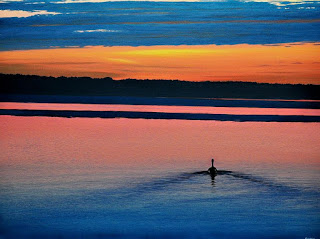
57,23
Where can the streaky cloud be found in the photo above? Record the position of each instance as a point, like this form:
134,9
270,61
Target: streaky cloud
279,3
101,1
29,3
23,14
156,23
97,30
8,1
282,3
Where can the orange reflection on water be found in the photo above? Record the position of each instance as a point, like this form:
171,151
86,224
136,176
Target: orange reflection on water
155,143
156,108
282,63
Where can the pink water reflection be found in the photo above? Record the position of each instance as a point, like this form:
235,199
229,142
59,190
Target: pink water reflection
155,143
154,108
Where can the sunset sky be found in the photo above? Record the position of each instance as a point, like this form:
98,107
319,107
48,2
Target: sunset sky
256,41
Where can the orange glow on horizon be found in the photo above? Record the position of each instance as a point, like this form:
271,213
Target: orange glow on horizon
283,63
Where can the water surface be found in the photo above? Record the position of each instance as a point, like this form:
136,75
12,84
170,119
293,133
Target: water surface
106,178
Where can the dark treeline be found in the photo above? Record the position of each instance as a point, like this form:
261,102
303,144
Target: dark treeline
86,86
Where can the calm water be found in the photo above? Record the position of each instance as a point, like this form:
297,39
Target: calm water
133,178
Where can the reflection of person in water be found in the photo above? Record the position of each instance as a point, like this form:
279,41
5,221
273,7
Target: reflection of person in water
213,171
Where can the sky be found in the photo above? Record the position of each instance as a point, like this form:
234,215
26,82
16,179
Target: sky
256,41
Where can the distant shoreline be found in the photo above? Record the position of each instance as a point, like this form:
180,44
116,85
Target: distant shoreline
160,101
161,115
43,86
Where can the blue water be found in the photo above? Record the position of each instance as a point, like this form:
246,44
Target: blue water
47,194
158,23
164,205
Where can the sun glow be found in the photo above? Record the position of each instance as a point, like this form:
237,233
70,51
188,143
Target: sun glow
281,63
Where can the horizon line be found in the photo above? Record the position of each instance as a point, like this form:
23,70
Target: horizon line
184,81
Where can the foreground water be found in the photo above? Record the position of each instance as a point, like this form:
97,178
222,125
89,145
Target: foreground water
110,178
